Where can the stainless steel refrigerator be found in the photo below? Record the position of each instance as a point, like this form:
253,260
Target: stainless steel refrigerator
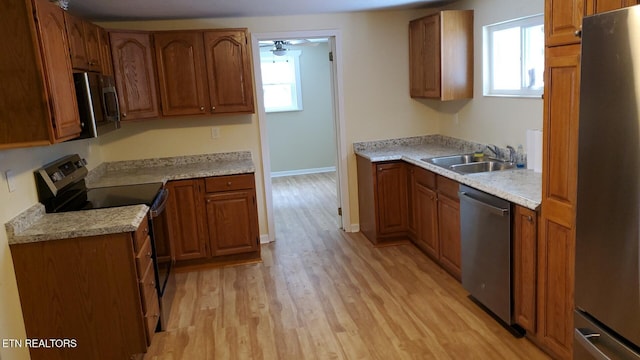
607,272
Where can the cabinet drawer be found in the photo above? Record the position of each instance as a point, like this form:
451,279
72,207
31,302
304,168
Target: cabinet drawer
448,187
148,292
425,178
144,256
231,182
141,235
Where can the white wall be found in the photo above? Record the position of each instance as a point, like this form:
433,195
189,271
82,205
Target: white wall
306,139
23,162
494,120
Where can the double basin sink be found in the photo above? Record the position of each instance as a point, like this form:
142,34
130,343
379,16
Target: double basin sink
469,164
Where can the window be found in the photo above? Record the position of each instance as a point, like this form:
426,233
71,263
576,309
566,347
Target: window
514,58
281,81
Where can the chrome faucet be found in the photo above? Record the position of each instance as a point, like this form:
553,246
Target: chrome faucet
494,149
512,154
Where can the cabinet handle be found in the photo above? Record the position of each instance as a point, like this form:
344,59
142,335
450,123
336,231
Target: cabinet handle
229,183
213,108
529,218
201,108
578,33
146,230
124,115
149,254
208,201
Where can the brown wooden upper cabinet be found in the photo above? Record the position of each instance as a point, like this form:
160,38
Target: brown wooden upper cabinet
441,55
563,19
84,43
598,6
134,71
202,72
105,53
37,92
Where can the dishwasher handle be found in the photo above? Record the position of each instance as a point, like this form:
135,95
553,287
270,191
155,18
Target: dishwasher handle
493,209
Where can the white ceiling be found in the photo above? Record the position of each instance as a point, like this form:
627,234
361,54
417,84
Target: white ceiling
183,9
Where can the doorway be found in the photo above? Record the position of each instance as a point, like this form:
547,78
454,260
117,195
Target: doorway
307,122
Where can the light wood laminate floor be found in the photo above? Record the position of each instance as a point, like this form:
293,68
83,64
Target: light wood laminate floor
321,293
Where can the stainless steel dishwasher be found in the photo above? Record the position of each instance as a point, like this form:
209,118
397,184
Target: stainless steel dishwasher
485,229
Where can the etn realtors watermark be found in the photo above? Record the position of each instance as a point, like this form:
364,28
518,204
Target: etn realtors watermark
54,343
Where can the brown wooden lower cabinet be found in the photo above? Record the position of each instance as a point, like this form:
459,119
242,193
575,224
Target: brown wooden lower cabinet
213,218
185,220
525,244
449,225
382,199
93,290
424,211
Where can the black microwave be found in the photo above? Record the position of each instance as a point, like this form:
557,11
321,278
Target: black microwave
97,104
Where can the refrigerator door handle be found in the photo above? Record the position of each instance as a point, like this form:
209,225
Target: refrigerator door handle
584,336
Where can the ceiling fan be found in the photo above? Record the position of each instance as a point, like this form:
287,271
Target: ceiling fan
280,47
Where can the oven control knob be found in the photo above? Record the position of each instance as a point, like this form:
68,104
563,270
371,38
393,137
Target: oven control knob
57,176
80,163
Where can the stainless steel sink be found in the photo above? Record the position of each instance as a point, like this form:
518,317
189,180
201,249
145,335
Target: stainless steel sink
468,164
483,166
447,161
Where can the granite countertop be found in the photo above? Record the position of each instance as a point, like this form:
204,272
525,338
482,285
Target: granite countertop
520,186
173,168
35,225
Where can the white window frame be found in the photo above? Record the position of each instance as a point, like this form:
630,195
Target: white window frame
294,57
488,88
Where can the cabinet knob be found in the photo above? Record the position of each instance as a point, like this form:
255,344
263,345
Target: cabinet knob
578,33
201,108
529,218
213,108
149,254
229,183
208,201
124,115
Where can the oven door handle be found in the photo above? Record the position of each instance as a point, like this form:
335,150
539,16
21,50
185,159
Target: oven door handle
160,203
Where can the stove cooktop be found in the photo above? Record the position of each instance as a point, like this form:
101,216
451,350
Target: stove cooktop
113,196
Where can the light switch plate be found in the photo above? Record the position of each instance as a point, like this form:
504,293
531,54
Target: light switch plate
11,180
215,132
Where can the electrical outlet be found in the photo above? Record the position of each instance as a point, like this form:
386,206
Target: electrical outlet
215,132
11,180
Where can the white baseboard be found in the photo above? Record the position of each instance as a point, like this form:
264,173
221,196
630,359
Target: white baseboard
353,228
302,171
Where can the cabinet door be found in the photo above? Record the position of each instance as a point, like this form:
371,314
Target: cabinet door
426,209
181,73
424,57
449,231
184,211
557,233
229,71
524,267
391,191
562,18
232,222
77,49
134,71
92,46
105,52
598,6
57,67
